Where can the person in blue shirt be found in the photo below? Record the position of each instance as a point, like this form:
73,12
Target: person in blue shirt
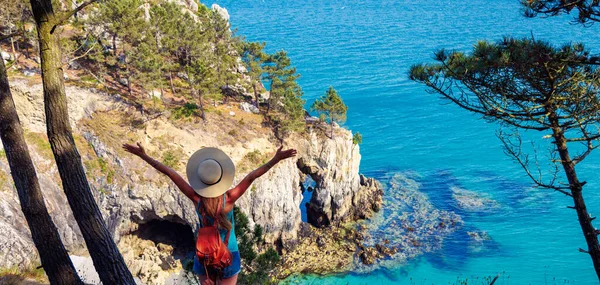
210,173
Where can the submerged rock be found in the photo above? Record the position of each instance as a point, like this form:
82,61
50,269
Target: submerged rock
479,236
472,201
408,225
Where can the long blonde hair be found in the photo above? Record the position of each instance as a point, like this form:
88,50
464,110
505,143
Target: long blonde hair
210,206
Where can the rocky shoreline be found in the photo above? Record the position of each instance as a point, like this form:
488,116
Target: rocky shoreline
355,223
406,226
132,195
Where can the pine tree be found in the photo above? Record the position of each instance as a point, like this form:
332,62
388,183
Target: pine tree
281,76
290,114
225,53
165,19
530,85
104,252
124,21
148,64
253,56
13,16
53,255
332,106
588,12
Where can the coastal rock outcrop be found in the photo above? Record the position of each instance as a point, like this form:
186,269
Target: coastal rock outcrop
341,193
132,195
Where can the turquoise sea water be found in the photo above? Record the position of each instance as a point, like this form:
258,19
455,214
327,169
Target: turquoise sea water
364,49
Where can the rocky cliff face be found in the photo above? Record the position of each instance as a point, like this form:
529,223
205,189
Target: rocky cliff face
340,193
134,198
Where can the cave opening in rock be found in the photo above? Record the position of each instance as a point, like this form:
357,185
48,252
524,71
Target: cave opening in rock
177,235
307,187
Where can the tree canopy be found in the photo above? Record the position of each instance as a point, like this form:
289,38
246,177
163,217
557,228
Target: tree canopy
588,11
331,106
529,84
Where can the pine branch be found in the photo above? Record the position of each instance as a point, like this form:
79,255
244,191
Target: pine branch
515,152
4,37
68,14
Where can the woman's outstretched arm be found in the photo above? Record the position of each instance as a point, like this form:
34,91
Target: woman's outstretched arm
177,179
240,189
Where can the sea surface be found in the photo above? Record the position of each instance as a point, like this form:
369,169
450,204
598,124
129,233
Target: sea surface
364,48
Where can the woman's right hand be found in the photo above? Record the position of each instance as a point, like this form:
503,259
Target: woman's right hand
282,154
137,150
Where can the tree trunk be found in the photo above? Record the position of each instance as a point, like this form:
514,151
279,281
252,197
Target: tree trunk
202,114
107,260
127,72
54,257
270,97
576,187
331,124
255,95
171,82
114,44
14,51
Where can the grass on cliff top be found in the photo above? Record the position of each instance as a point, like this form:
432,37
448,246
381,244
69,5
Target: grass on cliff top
242,127
3,175
170,155
4,179
14,275
252,160
40,143
113,128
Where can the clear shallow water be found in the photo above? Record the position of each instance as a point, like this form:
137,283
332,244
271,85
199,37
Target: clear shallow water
364,49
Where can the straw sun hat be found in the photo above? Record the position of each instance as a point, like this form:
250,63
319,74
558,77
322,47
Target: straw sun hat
210,172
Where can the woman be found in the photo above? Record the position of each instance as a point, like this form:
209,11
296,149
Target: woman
210,173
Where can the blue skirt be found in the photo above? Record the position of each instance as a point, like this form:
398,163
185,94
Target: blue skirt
228,272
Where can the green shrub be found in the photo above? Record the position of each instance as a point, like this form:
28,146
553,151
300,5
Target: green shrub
34,271
107,170
184,111
40,141
260,264
357,138
254,157
170,159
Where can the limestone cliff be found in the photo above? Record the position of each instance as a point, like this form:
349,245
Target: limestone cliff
138,203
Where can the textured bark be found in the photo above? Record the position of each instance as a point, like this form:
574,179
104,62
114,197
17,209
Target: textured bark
576,187
54,257
107,260
256,103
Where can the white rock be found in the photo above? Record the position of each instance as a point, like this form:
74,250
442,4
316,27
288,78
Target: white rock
28,73
221,11
249,108
231,113
6,56
85,269
155,93
74,65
